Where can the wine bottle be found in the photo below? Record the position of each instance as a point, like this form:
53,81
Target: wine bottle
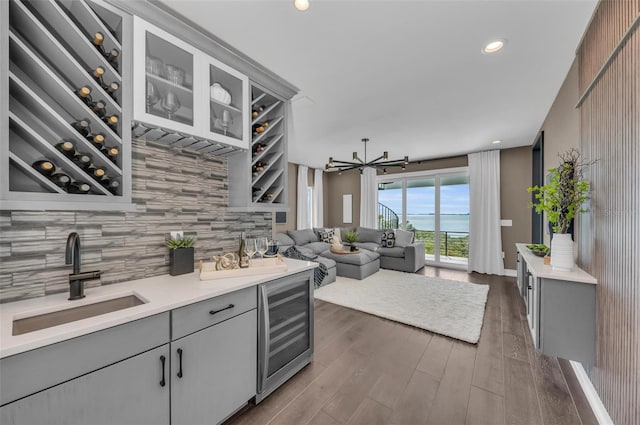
96,140
257,110
82,127
82,159
112,89
79,187
44,167
99,108
98,73
84,93
98,39
61,180
260,127
259,148
112,57
95,171
67,148
111,185
112,122
244,260
111,153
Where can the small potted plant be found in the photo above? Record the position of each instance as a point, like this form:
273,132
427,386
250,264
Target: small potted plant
350,238
561,199
180,255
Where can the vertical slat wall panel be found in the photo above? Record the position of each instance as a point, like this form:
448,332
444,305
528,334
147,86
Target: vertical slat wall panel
610,232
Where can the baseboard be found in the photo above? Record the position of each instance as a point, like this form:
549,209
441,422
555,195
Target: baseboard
598,408
510,273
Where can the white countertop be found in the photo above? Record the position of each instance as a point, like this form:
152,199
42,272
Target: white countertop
541,270
162,293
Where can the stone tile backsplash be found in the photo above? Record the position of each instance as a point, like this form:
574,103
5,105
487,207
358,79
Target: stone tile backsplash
172,190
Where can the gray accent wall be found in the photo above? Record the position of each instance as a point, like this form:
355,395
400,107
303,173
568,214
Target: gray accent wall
172,190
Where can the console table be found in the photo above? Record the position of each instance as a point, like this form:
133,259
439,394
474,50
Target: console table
561,307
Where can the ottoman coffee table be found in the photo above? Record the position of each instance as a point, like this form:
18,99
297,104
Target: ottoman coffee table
355,265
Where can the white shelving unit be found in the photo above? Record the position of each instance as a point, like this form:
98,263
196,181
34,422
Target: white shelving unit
50,56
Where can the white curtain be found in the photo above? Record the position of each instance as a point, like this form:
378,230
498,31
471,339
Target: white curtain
302,214
368,198
485,238
318,205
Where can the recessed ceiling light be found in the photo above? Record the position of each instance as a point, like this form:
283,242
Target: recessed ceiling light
495,142
301,4
494,46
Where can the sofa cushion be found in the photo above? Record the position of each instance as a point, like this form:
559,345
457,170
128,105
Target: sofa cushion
370,246
317,247
284,239
306,251
303,237
392,252
403,238
388,239
328,262
366,234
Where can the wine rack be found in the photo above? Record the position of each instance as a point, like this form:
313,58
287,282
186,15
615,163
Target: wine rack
258,180
51,56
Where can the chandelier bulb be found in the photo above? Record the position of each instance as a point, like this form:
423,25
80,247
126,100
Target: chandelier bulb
301,5
384,170
355,156
406,160
385,155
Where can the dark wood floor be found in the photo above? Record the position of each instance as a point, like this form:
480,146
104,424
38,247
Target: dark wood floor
368,370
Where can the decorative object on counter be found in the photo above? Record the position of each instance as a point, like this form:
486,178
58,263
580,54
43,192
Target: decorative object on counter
272,248
350,238
260,266
262,245
228,261
539,250
219,94
562,199
344,249
180,255
250,248
381,162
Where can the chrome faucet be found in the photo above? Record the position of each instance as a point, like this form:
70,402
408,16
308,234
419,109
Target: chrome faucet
76,279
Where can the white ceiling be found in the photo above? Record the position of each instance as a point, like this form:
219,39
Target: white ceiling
407,74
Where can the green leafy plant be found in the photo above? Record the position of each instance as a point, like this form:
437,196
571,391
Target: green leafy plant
563,196
350,237
180,243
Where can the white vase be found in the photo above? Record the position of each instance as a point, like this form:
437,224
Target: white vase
562,252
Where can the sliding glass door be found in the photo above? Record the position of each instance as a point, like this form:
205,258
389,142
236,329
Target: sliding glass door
435,205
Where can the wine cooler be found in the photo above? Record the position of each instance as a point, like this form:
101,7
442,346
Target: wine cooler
285,323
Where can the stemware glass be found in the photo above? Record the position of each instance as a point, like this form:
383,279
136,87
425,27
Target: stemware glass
250,248
262,244
153,95
170,103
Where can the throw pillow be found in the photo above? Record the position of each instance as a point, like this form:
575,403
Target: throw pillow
404,238
337,237
326,235
388,238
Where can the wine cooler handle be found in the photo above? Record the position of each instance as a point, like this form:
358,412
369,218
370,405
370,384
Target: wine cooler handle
179,362
230,306
162,381
264,338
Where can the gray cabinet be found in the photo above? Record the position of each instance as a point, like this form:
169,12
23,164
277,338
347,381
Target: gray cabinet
128,392
561,308
213,371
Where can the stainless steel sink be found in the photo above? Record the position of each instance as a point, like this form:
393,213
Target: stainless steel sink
59,317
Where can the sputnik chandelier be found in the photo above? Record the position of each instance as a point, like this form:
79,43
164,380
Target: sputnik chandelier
382,162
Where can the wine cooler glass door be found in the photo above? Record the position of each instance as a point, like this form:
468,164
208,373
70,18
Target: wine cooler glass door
287,315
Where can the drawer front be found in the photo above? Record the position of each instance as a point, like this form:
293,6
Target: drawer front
192,318
36,370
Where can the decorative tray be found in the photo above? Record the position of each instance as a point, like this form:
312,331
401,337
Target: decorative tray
343,250
258,266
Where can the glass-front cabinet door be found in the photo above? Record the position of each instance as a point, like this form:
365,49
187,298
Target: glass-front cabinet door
180,89
163,79
226,99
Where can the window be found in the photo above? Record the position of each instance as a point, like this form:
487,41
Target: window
309,206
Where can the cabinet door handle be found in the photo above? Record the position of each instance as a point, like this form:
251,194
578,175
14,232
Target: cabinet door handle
179,362
230,306
162,381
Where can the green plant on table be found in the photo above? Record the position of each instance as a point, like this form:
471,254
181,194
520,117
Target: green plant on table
350,237
180,243
563,196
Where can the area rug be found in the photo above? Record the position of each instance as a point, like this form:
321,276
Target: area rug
446,307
